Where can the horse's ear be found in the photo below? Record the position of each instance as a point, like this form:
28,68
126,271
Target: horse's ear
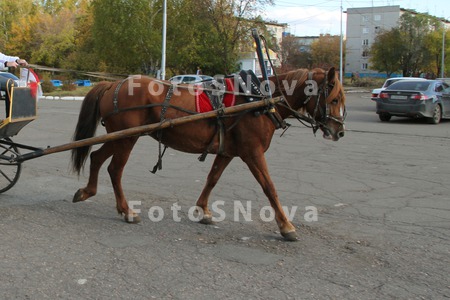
331,74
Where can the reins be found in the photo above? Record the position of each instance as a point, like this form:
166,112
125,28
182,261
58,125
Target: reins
302,118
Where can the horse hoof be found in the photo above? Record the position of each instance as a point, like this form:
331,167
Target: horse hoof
78,197
290,236
132,219
206,220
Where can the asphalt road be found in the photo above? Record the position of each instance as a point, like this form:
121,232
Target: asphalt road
372,212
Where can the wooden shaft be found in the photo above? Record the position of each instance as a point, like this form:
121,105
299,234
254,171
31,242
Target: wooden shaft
145,129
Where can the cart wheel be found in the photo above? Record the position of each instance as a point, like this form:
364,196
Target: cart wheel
9,171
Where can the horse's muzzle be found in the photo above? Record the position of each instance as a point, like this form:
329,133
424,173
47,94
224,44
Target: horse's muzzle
328,135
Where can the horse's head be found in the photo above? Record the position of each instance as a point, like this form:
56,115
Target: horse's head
325,102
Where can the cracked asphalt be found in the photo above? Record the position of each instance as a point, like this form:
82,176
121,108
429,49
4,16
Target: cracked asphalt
382,229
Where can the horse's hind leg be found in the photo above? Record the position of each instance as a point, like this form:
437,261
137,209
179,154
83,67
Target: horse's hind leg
258,166
219,165
122,150
97,158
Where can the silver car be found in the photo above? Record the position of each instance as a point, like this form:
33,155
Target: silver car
416,99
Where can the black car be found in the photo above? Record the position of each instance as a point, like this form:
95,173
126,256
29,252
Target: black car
415,99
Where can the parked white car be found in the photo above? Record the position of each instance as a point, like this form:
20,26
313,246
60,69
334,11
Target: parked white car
190,79
390,81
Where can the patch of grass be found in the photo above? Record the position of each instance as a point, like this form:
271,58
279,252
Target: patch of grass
367,82
80,91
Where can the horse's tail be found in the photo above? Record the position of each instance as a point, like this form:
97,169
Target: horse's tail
87,123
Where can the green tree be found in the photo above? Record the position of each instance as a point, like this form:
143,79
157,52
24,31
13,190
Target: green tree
126,33
387,51
414,29
83,57
208,33
433,42
412,47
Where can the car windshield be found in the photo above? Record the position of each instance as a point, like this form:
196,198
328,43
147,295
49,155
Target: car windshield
206,78
410,86
391,81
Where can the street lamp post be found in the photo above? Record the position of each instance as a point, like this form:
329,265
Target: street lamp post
341,50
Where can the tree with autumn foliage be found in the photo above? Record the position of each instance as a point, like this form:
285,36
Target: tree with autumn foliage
326,51
44,34
293,57
125,36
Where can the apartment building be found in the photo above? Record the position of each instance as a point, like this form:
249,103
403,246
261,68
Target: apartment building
363,24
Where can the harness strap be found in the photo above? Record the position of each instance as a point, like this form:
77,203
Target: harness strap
116,95
216,99
159,133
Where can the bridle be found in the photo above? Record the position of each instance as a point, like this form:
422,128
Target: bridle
327,92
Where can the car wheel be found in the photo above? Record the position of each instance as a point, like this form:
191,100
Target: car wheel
437,115
385,117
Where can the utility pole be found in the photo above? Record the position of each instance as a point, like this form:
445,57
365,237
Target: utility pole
443,52
163,48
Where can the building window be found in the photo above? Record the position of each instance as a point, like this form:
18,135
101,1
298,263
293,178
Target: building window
365,19
377,29
364,66
377,17
365,30
365,53
365,42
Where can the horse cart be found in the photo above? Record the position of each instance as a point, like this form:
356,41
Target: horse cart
20,109
139,105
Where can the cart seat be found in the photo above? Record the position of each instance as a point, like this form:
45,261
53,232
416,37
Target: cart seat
22,110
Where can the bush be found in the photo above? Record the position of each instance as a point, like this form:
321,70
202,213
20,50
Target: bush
69,87
47,86
367,82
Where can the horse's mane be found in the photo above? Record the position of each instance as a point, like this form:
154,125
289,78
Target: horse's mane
301,75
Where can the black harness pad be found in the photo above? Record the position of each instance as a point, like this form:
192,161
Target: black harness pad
249,84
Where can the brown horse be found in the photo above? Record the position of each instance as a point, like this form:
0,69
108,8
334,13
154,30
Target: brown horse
140,100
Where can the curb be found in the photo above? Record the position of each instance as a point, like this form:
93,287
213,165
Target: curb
70,98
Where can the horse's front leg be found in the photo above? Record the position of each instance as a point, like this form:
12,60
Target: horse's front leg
258,167
219,165
122,150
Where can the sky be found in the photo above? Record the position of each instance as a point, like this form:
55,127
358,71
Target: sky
312,18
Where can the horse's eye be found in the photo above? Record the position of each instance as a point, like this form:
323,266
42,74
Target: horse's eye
334,101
